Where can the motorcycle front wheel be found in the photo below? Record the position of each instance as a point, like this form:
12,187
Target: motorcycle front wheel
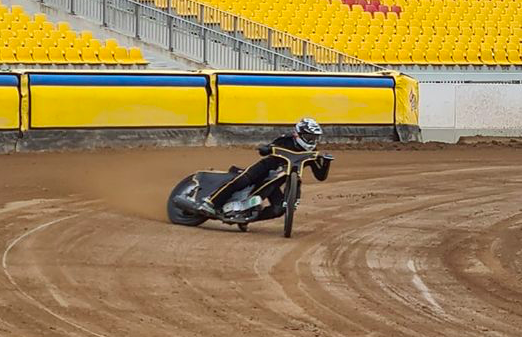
176,214
290,198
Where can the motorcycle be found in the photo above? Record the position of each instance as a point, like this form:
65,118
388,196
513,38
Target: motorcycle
244,206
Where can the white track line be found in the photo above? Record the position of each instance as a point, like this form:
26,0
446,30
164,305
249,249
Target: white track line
417,281
29,297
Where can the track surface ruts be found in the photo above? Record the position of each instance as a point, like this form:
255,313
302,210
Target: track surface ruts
415,243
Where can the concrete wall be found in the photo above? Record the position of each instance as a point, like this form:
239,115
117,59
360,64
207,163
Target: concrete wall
449,111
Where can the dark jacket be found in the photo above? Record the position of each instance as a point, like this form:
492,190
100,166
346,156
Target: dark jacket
320,167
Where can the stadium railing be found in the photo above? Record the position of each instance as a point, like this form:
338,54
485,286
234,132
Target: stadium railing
205,43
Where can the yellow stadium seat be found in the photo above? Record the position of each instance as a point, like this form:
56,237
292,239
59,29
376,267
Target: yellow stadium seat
48,43
23,55
501,57
95,44
32,26
121,55
404,56
458,57
390,56
40,18
24,18
15,26
47,27
22,34
40,55
472,55
136,56
7,55
377,56
39,35
30,43
106,56
6,34
514,57
63,44
72,55
445,56
8,17
56,55
89,56
16,10
79,43
432,56
55,35
86,35
363,54
14,42
418,56
63,27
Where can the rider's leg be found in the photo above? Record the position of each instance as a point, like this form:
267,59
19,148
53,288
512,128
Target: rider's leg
251,176
275,210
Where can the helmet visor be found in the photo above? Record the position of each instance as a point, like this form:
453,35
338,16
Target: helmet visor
310,138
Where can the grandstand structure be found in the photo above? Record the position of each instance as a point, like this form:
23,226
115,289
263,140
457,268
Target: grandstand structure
33,41
425,38
391,32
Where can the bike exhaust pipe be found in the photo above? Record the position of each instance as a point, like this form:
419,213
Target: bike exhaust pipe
184,204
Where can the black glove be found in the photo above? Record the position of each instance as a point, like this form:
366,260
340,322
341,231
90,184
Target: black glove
265,150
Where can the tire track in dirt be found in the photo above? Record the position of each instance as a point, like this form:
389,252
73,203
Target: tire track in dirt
360,242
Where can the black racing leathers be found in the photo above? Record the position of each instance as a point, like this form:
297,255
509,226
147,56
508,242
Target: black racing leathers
257,173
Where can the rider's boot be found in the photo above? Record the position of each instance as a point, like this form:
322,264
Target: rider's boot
206,207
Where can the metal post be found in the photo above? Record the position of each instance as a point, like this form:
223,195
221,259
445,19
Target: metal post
340,62
169,33
205,46
235,27
201,14
137,17
72,7
235,32
104,13
304,51
169,6
275,61
240,43
269,39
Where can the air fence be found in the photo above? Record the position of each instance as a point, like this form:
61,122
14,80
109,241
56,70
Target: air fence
44,109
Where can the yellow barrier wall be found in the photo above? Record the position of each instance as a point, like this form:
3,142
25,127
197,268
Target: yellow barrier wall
282,99
66,100
9,102
407,96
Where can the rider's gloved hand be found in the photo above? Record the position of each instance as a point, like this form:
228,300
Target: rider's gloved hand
265,150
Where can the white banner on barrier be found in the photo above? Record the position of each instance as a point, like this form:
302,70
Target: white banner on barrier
488,106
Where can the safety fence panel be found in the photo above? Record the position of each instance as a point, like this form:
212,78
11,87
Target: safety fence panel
9,102
69,100
284,98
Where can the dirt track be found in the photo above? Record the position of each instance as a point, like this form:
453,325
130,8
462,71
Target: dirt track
395,243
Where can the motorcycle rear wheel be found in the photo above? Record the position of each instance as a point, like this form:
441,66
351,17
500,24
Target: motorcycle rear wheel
178,216
290,197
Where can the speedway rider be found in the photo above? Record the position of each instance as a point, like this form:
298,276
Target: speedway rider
304,138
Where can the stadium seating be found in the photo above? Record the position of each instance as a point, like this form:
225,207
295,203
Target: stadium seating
34,40
436,32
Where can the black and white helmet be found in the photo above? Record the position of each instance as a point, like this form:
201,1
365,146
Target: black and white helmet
308,133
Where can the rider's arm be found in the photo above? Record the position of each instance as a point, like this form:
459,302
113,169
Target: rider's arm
265,150
320,168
